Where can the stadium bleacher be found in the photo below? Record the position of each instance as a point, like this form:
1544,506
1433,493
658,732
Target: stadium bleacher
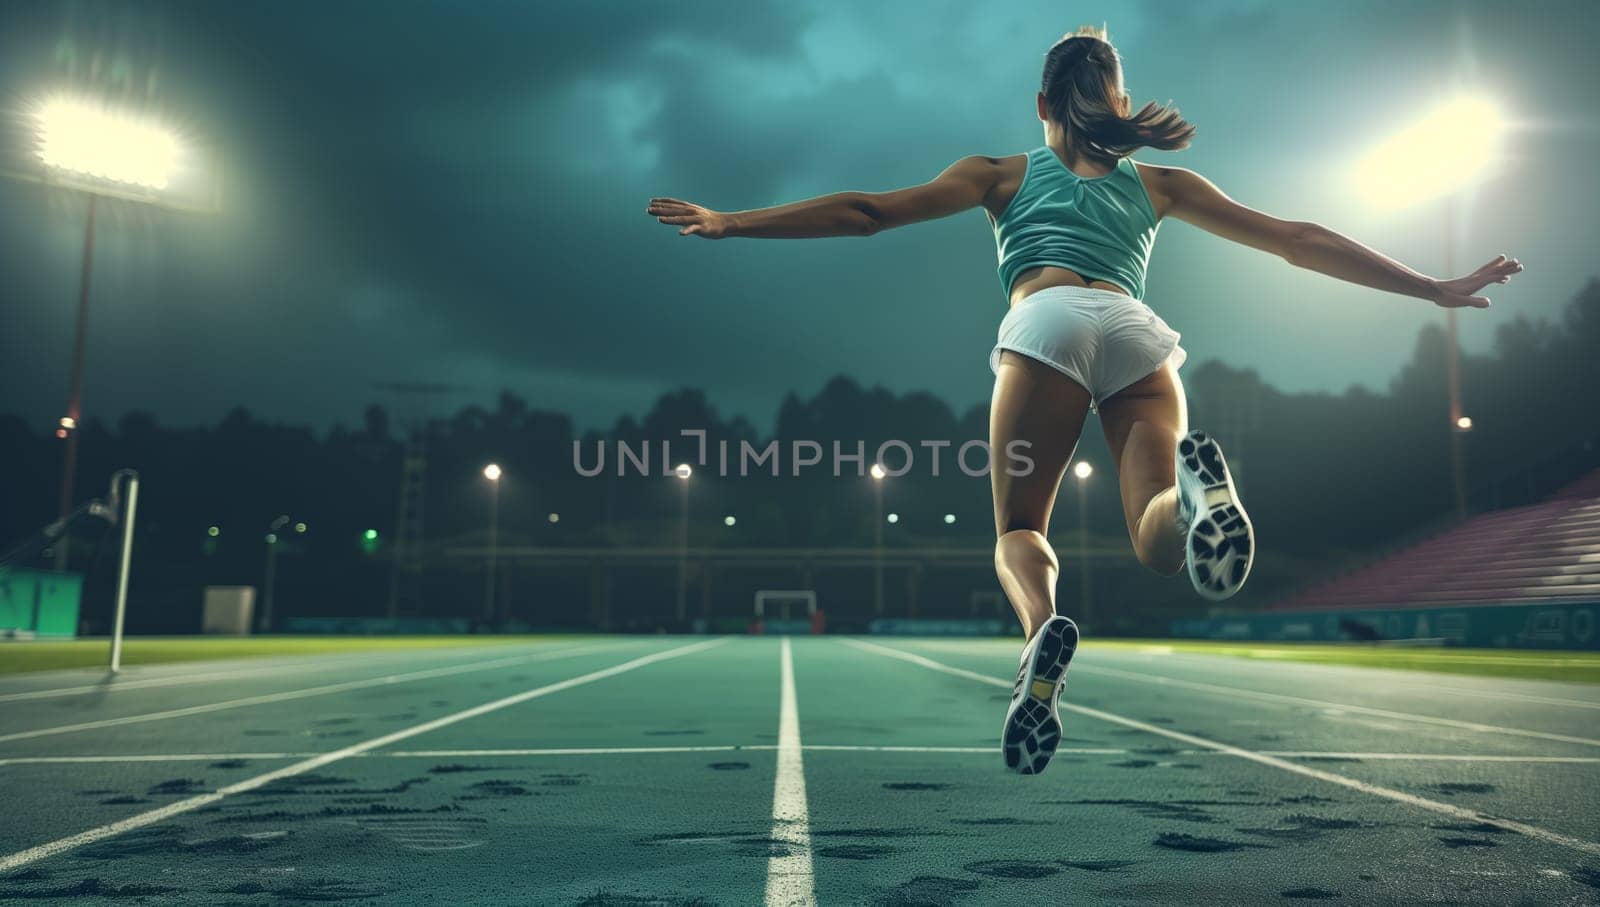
1547,552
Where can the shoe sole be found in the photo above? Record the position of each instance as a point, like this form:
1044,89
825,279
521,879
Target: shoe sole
1221,547
1033,728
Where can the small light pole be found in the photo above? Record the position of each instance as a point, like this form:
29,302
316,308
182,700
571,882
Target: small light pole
684,472
1082,470
878,475
492,472
269,584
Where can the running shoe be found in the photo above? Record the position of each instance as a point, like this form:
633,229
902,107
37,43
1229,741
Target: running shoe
1219,543
1033,728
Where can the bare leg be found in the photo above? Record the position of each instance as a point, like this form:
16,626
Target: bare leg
1143,423
1039,405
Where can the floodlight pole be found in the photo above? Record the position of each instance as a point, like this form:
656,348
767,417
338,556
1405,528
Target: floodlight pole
122,569
1083,545
75,396
877,548
683,552
494,550
1458,469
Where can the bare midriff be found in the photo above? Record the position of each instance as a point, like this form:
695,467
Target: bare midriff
1035,279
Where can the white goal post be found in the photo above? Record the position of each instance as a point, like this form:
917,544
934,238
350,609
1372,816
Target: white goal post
785,599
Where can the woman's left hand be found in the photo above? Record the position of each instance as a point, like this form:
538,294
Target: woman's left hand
695,219
1459,293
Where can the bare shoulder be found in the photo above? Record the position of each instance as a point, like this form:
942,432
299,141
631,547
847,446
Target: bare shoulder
1005,176
1167,185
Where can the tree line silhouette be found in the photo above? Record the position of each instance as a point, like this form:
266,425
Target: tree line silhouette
1329,477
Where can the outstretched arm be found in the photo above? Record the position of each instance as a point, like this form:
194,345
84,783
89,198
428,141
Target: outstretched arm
1190,197
965,184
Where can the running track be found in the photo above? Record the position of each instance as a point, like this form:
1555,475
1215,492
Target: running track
660,770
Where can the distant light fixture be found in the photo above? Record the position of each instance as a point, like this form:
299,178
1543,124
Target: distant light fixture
894,518
1083,469
949,518
554,517
300,527
69,423
683,471
84,137
1464,423
729,520
213,531
272,538
1450,148
492,472
877,470
370,535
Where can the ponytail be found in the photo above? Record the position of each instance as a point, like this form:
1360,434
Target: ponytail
1082,87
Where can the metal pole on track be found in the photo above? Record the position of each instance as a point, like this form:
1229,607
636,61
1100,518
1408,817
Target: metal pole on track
122,569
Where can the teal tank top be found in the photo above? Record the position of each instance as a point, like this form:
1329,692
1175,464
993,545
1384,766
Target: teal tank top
1102,227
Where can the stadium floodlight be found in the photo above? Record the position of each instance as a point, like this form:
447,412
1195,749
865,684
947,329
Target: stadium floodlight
1451,148
878,472
492,472
83,144
85,138
1083,469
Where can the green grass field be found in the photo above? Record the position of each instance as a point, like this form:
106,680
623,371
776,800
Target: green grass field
18,656
1566,666
1533,664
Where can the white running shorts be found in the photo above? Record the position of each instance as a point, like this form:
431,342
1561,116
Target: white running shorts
1102,339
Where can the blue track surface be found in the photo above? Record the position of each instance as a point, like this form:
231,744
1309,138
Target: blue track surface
635,770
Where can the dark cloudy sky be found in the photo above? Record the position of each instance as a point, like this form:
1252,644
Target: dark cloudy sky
454,191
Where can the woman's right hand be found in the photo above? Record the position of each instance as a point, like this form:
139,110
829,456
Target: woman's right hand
696,220
1459,292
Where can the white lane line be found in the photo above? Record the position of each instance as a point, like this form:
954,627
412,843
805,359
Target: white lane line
548,751
1271,658
249,667
789,880
303,693
1240,692
571,751
769,747
1434,757
1588,847
34,854
148,757
1520,697
1065,750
